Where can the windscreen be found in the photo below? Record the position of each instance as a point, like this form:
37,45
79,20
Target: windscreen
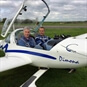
31,14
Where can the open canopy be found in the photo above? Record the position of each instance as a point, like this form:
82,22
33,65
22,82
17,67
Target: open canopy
30,13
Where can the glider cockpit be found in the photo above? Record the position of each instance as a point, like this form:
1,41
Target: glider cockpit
49,44
18,33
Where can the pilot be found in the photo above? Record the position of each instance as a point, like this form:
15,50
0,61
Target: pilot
26,40
41,38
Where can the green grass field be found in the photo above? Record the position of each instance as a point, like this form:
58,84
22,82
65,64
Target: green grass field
53,77
65,23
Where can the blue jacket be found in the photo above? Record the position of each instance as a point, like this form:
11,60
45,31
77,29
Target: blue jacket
30,42
41,39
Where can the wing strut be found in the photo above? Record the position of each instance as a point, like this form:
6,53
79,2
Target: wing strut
31,81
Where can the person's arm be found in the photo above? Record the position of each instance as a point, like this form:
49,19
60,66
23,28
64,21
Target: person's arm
38,40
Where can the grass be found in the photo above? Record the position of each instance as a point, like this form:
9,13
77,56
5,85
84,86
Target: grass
72,31
60,78
53,77
65,24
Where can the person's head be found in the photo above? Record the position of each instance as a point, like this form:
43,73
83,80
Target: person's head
26,32
42,31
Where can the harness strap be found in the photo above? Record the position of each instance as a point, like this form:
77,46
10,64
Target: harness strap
26,43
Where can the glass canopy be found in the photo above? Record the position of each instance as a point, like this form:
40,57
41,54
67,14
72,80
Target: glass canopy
30,13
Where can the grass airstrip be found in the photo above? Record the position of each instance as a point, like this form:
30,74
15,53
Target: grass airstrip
53,77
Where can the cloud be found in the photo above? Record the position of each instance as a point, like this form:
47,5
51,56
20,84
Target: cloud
69,10
61,10
79,1
7,7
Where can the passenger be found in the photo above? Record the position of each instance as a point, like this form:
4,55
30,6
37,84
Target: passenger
26,40
41,38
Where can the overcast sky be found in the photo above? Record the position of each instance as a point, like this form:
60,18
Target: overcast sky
61,10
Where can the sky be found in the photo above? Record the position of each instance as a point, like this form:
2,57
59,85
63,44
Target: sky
60,10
